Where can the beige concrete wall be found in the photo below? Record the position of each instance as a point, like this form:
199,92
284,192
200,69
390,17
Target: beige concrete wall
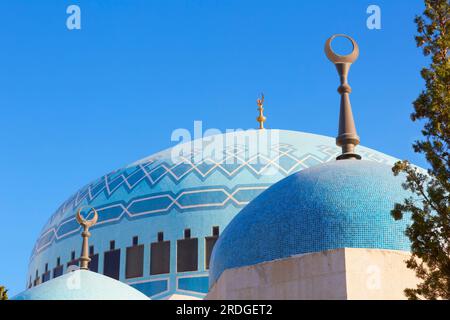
377,274
329,275
312,276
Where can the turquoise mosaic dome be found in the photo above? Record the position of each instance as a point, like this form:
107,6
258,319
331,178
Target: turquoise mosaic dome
340,204
82,285
159,195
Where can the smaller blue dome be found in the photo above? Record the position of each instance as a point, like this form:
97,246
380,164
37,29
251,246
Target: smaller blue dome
82,285
340,204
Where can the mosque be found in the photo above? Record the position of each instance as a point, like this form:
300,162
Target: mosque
305,217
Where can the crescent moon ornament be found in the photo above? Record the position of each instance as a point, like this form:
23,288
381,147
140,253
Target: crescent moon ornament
337,58
86,224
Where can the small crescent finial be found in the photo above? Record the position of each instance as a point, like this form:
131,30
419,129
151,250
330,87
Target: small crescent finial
86,224
83,222
261,118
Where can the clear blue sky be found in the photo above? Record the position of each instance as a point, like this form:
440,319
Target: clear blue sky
78,104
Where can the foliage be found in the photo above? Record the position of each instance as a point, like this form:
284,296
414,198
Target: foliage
429,231
3,293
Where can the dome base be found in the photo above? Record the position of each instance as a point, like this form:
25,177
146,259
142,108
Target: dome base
349,156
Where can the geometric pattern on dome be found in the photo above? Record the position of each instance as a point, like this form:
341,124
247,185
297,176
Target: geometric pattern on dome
152,170
186,200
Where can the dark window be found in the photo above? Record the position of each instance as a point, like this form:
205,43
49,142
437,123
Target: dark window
160,256
135,241
58,261
160,236
73,261
134,267
111,265
58,271
93,264
187,254
187,233
37,280
46,275
209,245
112,245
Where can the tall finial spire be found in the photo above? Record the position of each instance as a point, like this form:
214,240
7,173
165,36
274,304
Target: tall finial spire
347,138
86,224
261,119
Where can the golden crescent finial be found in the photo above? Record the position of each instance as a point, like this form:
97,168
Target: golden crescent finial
260,101
261,118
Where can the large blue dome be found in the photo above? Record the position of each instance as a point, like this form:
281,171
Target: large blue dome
340,204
